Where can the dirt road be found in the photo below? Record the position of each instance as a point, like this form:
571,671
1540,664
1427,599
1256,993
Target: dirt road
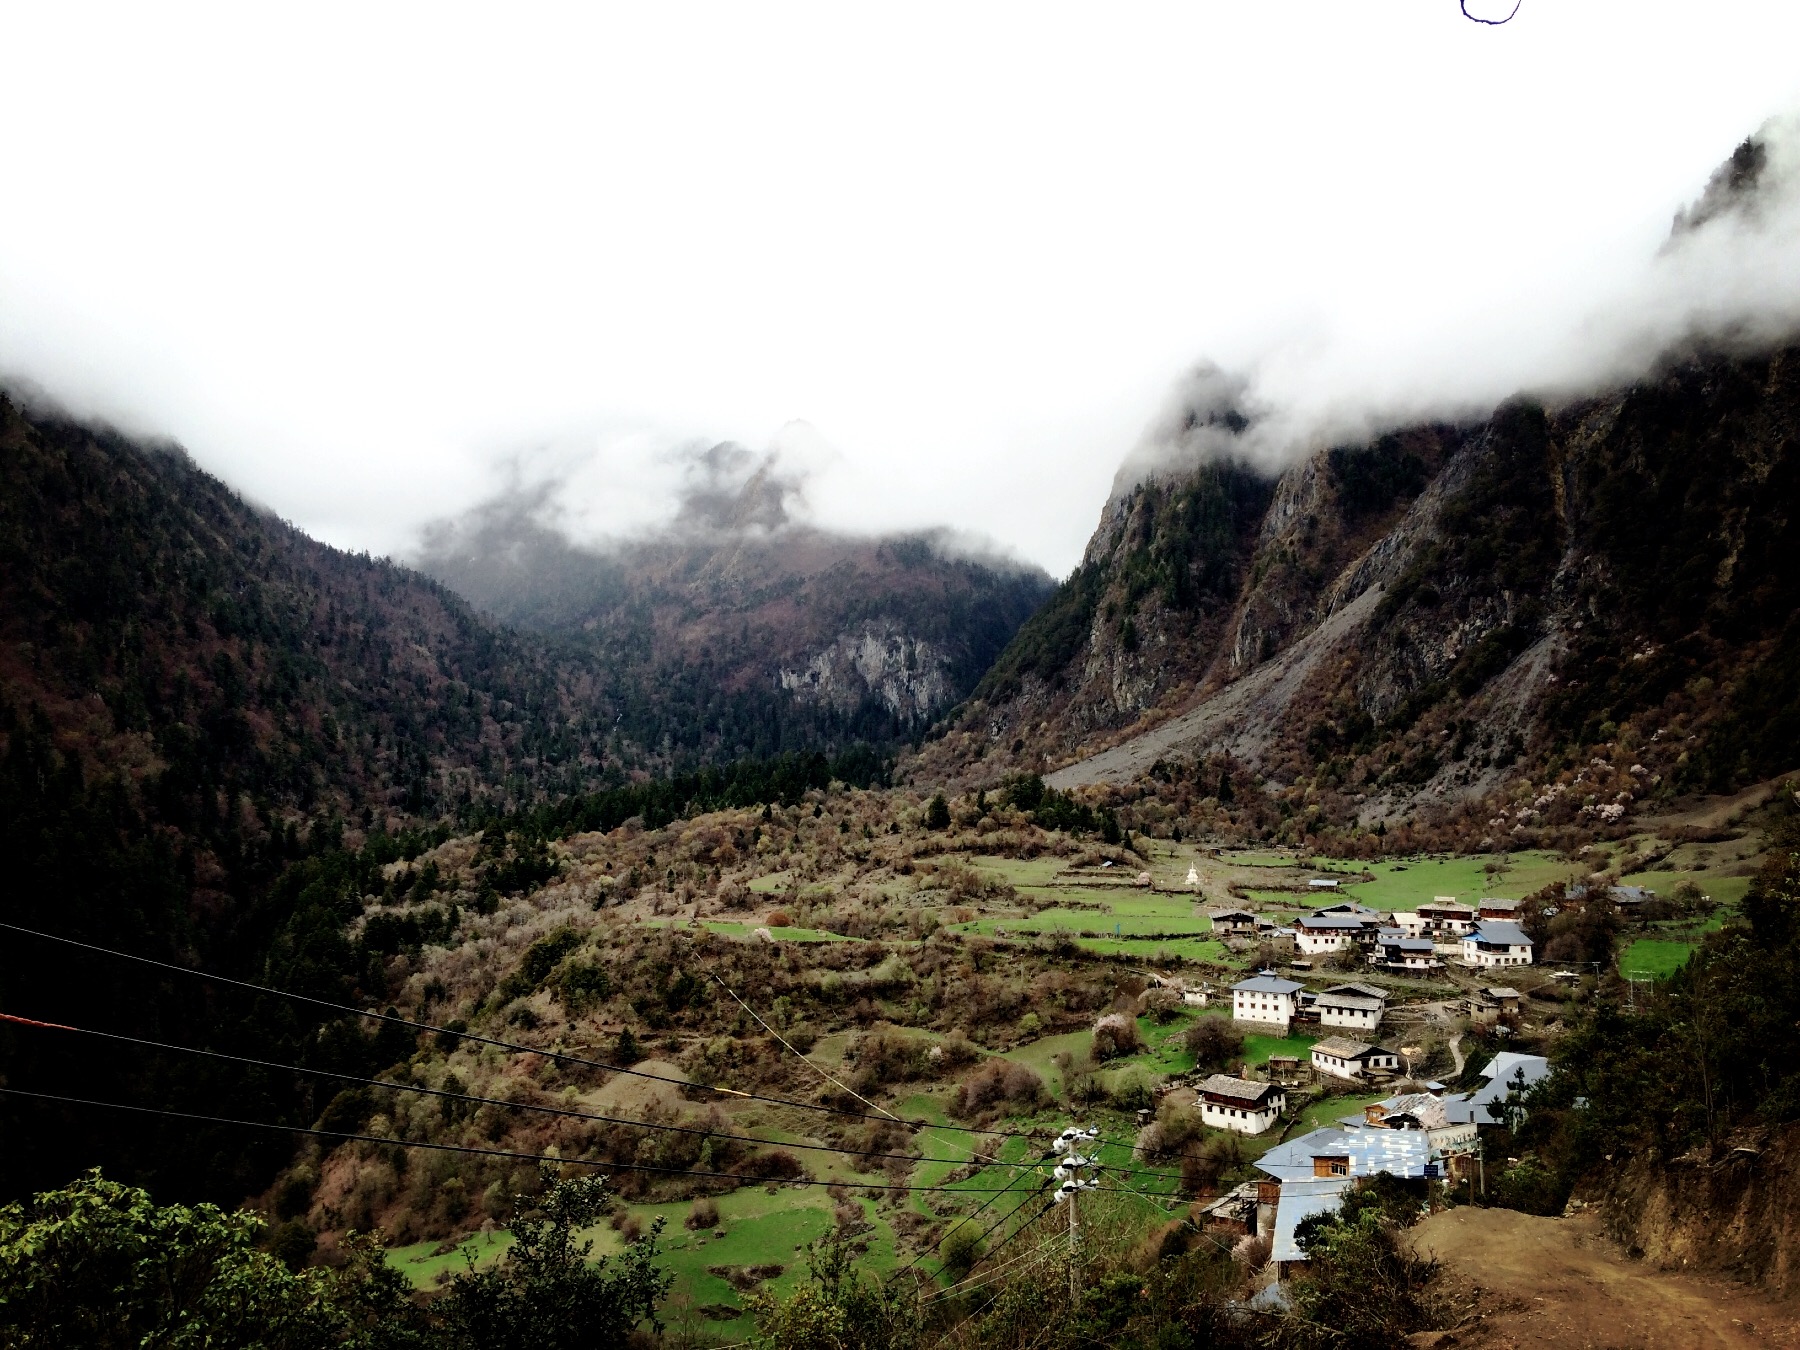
1562,1283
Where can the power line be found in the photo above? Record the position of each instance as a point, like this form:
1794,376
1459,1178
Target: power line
510,1046
803,1059
1013,1213
988,1277
970,1316
992,1199
514,1155
490,1101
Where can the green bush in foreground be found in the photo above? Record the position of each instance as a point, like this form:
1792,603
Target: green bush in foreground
99,1265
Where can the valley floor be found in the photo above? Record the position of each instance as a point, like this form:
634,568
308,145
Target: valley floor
1556,1283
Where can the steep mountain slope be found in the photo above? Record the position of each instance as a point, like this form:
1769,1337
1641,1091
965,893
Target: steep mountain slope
197,701
1442,610
154,624
740,632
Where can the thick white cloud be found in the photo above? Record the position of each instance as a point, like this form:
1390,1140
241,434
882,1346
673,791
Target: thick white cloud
366,260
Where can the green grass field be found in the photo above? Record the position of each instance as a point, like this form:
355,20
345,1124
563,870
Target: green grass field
1653,959
1257,1049
1727,891
1407,883
1152,950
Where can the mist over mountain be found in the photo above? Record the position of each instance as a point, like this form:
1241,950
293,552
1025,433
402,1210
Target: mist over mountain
736,627
1403,622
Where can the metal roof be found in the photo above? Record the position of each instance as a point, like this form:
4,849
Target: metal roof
1366,990
1396,937
1267,984
1330,921
1502,1074
1498,930
1404,1153
1301,1199
1356,1001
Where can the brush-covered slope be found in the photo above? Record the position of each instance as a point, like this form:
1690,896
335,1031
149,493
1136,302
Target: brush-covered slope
1440,609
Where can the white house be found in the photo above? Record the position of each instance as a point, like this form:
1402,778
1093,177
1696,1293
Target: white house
1398,950
1317,934
1238,1104
1448,1120
1445,919
1265,998
1234,922
1344,1058
1356,1011
1494,942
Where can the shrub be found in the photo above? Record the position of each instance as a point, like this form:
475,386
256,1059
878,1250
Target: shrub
703,1213
582,984
777,1164
994,1083
937,813
1134,1089
779,918
1116,1034
1252,1253
1214,1043
1163,1005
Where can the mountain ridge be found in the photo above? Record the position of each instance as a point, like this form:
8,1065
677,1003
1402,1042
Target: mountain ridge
1533,583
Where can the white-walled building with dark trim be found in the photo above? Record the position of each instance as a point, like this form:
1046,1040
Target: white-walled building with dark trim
1238,1104
1265,998
1494,942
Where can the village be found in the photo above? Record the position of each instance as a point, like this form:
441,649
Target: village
1423,1131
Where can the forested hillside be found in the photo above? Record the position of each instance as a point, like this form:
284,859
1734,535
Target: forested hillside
214,732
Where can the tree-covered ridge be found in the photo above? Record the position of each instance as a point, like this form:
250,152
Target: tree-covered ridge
691,631
237,670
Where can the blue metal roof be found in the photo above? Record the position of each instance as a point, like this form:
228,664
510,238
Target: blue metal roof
1404,1153
1301,1200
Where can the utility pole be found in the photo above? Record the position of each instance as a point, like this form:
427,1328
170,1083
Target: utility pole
1068,1173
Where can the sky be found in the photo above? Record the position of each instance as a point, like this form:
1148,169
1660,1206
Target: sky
374,264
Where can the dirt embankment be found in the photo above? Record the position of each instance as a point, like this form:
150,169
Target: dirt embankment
1553,1283
1735,1214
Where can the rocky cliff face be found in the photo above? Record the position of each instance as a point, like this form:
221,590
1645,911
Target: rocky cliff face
1438,612
909,676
